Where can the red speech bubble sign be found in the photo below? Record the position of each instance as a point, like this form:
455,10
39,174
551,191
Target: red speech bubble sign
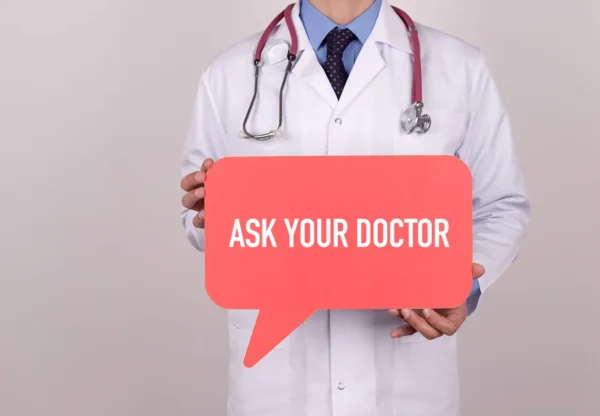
292,235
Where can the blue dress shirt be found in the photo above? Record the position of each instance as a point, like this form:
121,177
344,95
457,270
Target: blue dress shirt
317,26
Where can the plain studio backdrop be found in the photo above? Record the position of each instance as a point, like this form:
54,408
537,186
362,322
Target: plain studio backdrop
102,302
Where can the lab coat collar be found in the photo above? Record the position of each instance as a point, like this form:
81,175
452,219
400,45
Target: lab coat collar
318,25
306,66
281,36
389,29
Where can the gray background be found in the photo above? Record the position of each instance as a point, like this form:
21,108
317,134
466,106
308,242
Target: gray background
102,304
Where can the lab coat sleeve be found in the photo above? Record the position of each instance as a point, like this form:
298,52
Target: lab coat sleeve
501,208
205,139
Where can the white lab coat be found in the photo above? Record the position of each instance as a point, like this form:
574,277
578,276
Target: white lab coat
344,363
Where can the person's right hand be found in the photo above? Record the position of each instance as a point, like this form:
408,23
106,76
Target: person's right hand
193,184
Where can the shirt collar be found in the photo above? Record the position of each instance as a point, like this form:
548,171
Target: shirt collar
317,25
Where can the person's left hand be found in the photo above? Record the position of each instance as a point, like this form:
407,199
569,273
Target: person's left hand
433,323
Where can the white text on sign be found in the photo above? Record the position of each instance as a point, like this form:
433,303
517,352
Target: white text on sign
332,232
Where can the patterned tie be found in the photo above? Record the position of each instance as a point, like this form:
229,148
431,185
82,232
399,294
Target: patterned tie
337,41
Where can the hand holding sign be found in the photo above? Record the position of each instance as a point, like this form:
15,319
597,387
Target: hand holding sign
308,238
193,184
433,323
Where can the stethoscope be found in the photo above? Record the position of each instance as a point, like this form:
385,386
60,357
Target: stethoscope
412,120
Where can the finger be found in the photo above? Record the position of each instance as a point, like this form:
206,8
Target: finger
397,312
199,220
206,165
447,325
194,200
403,331
193,180
478,270
420,324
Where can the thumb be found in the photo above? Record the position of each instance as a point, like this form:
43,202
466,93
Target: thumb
478,270
206,165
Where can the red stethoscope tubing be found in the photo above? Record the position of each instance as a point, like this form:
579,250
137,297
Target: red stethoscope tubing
286,14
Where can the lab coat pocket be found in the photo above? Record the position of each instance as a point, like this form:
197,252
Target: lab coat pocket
241,323
443,138
263,389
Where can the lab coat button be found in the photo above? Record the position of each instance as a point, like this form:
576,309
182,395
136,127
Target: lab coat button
341,386
338,121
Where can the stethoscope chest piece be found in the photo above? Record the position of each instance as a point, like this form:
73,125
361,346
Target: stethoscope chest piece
413,120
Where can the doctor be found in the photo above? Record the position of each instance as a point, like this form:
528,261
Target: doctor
345,95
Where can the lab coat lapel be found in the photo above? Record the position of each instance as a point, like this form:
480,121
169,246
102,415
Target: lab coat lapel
307,68
389,30
366,67
309,71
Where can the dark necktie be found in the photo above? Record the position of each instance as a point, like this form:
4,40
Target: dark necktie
337,41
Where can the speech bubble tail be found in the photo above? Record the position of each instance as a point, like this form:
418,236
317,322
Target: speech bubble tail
271,327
